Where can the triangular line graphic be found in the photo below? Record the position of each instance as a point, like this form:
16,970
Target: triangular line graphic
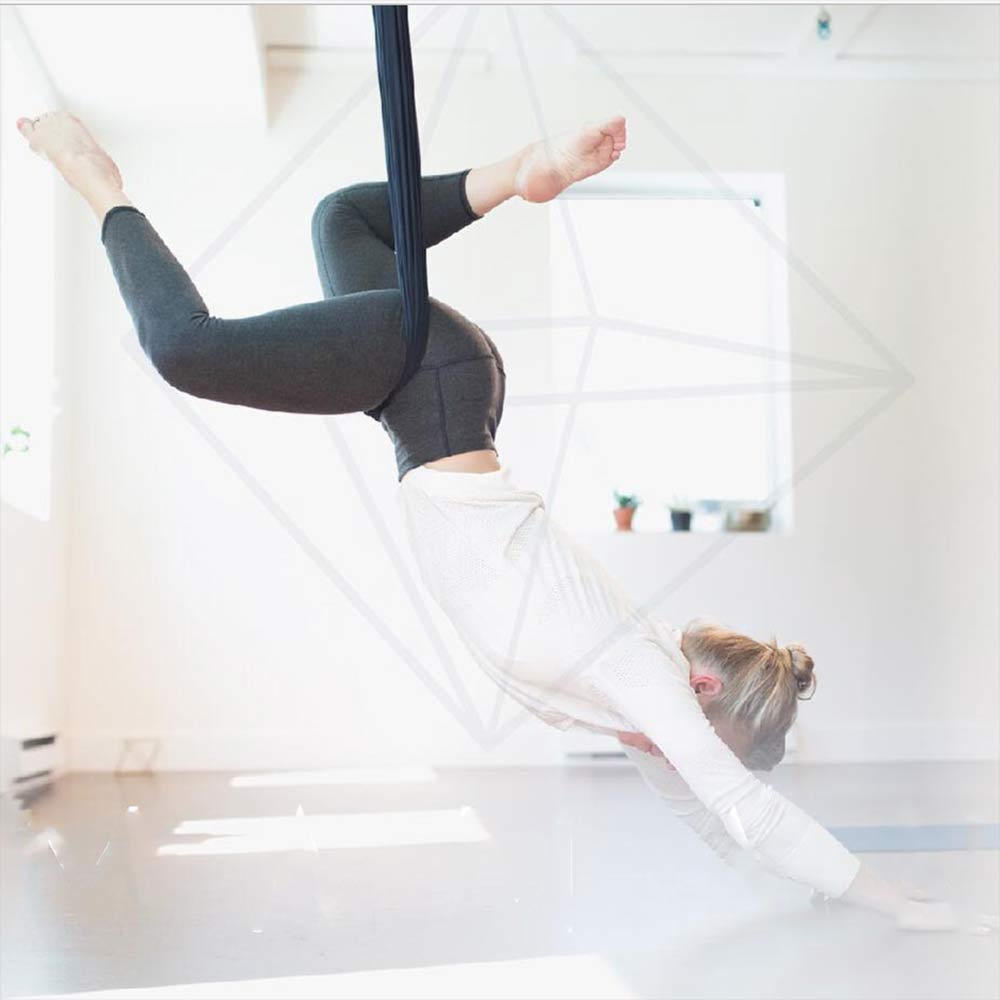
695,158
896,377
717,547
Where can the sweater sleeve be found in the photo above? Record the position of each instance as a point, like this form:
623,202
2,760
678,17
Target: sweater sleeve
644,687
661,779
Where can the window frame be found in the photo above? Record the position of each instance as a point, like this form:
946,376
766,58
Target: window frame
768,192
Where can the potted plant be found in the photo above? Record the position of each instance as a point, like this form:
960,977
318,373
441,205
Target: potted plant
680,514
16,441
625,510
748,517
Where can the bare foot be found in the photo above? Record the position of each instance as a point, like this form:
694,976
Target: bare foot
550,166
61,139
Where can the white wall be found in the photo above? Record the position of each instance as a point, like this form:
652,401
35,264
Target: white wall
32,640
34,570
36,345
198,622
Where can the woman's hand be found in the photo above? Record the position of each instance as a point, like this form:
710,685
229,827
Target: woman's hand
935,915
641,742
912,908
913,892
926,915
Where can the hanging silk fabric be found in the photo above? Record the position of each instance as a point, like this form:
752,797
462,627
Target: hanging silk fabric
402,159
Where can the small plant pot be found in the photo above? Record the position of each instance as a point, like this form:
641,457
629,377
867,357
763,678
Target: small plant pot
748,520
680,520
623,518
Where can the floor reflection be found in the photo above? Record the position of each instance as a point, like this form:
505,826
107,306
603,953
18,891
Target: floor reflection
301,832
535,882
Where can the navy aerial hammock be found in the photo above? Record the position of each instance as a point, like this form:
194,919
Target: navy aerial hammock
402,159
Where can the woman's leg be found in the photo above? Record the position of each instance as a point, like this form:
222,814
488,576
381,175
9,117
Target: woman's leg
344,355
352,228
60,138
541,171
341,356
352,231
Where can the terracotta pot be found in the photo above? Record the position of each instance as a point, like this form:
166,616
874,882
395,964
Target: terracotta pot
623,518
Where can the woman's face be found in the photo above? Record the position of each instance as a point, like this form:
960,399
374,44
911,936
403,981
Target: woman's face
733,735
707,688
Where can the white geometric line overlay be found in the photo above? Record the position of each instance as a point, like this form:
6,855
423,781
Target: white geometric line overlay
894,379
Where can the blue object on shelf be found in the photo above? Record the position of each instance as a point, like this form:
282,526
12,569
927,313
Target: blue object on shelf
823,23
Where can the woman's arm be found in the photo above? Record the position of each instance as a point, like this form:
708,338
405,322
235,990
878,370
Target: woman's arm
910,908
645,687
665,782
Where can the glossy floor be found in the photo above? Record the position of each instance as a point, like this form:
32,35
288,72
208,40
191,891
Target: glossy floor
475,883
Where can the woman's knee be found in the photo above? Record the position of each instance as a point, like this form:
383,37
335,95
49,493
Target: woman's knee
172,351
336,206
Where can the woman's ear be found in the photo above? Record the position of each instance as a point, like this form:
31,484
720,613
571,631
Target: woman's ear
706,686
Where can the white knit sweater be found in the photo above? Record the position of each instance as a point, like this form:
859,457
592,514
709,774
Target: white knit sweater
585,656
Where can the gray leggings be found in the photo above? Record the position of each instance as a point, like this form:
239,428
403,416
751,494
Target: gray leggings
342,355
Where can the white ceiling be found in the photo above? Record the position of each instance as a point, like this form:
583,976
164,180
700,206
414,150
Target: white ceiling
951,32
936,31
173,62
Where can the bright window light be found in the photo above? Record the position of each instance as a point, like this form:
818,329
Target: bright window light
27,294
692,304
304,832
340,776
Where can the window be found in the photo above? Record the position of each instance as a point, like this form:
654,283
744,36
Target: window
27,296
685,400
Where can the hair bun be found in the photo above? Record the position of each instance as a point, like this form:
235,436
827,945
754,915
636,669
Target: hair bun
800,663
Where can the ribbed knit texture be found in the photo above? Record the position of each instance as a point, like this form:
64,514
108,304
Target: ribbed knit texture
586,656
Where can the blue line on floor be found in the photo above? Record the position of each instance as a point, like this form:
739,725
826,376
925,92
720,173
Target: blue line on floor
945,837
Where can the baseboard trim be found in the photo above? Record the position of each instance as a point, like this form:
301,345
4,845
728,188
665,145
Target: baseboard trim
238,750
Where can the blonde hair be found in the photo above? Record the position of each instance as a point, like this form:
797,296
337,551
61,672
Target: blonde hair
762,684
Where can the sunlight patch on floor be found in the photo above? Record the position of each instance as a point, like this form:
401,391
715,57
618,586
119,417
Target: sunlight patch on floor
580,977
305,832
338,776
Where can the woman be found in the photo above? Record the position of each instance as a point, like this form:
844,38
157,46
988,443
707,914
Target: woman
693,709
